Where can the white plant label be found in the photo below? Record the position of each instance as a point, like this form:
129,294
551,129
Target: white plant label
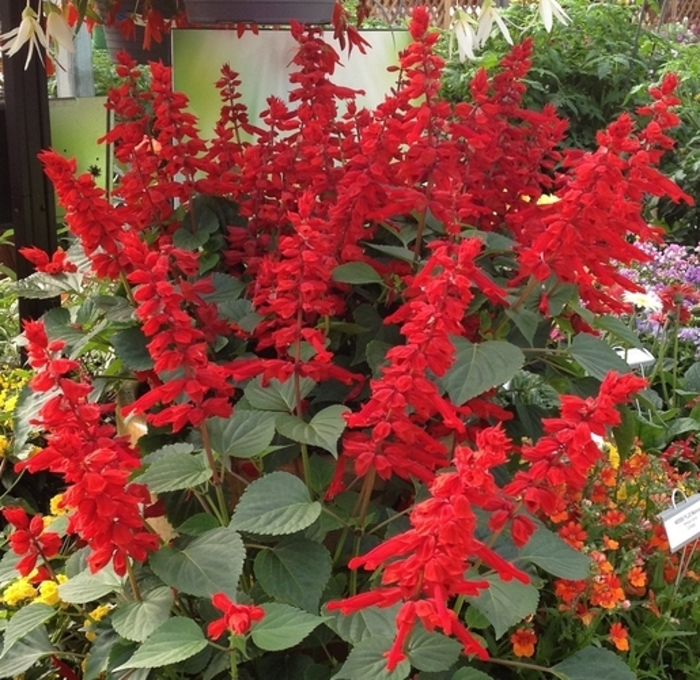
682,522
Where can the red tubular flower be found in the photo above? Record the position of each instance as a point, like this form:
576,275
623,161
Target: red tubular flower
237,618
29,539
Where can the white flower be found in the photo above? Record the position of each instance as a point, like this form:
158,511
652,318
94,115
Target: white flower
59,32
646,300
550,9
464,34
28,31
487,16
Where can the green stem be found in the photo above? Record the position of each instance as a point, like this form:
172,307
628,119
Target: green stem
234,664
339,547
306,465
517,304
522,664
216,479
391,519
352,583
337,518
132,581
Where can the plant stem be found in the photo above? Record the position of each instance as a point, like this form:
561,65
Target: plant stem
522,664
216,476
234,664
132,581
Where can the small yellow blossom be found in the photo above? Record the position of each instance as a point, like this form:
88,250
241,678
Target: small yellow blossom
48,591
4,445
55,506
613,455
95,616
18,591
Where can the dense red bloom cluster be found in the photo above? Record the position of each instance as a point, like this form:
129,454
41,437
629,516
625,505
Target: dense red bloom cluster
107,510
301,196
29,539
560,461
425,567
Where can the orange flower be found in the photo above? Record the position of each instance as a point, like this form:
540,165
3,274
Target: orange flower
599,494
608,476
574,534
607,591
523,641
558,517
610,544
613,517
569,591
637,577
618,636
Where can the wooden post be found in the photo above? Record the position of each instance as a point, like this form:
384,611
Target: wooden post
28,132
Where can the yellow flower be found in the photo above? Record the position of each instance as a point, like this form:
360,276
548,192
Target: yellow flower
48,591
95,616
18,591
4,445
613,455
55,506
548,199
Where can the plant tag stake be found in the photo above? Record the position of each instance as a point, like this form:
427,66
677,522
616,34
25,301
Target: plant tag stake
682,521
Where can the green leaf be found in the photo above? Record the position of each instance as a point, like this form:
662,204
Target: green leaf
99,656
618,329
681,426
625,433
198,524
555,556
189,240
8,568
505,603
323,431
135,621
88,587
24,622
282,627
175,640
596,357
114,308
471,674
397,252
242,313
295,571
275,504
276,396
478,368
432,652
356,273
593,663
244,435
371,622
526,321
40,286
367,660
25,653
691,379
176,470
226,288
375,352
130,346
59,326
211,563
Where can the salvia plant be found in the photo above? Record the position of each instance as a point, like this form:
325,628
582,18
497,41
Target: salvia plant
280,393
